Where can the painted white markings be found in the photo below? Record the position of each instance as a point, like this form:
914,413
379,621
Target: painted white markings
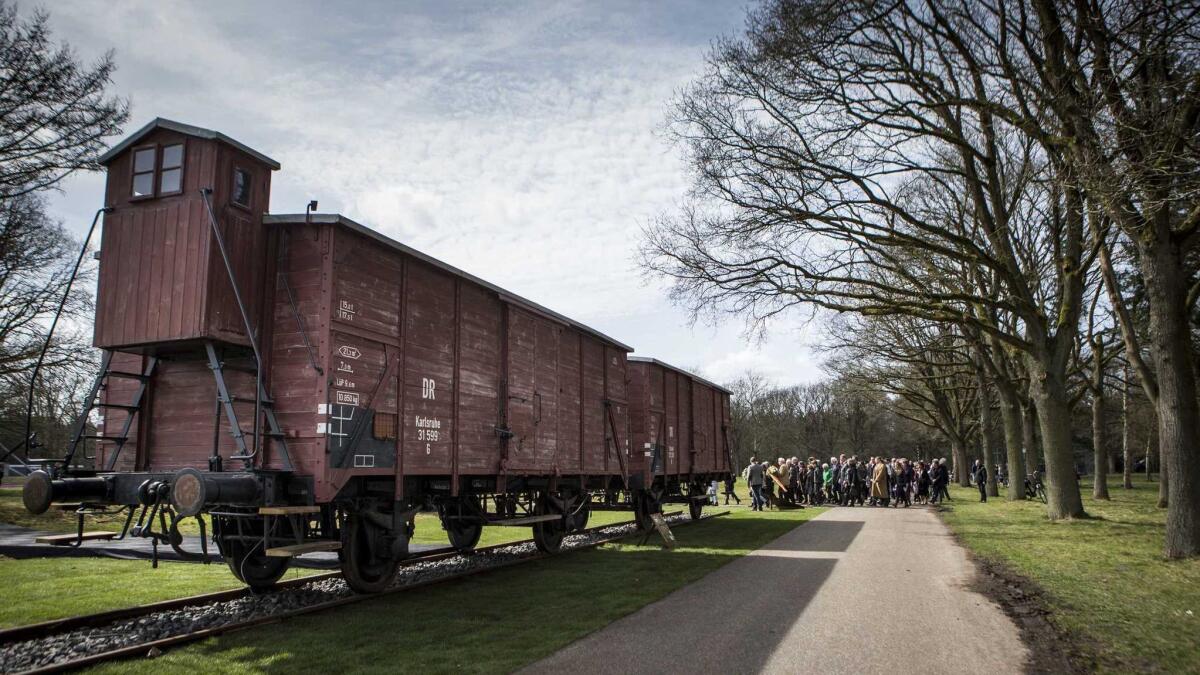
428,388
364,461
346,310
346,397
428,429
350,352
337,425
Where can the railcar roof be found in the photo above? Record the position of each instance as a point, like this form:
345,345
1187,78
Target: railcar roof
339,219
647,359
187,130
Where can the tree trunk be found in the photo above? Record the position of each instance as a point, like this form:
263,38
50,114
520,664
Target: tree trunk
1033,449
1099,440
1099,451
985,432
1010,416
1049,392
962,465
1126,446
1178,411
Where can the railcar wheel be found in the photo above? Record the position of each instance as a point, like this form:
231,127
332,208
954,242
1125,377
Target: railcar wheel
580,520
367,565
548,535
464,537
247,560
696,509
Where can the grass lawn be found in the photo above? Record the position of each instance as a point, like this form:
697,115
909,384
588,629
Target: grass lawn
1105,578
40,589
429,528
490,623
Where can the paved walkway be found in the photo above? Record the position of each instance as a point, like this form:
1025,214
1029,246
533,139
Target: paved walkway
855,590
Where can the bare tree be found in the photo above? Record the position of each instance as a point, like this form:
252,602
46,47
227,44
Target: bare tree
849,156
55,114
1122,81
36,260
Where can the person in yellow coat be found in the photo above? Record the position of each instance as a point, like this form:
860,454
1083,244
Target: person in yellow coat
879,483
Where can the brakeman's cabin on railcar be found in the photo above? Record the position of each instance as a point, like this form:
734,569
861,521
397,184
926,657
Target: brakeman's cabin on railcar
311,384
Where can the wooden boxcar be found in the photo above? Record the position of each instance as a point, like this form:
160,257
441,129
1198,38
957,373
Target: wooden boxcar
312,384
679,425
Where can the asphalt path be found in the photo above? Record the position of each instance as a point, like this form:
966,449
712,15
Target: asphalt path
855,590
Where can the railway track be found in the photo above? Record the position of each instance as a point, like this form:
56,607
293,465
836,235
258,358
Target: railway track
121,617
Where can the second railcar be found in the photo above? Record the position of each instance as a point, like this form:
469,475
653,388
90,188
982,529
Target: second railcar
680,429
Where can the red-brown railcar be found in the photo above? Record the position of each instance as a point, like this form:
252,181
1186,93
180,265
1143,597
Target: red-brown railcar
311,384
679,425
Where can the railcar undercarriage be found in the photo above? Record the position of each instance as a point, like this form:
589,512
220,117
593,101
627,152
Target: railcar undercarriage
258,525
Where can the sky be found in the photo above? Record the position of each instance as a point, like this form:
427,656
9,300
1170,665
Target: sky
521,141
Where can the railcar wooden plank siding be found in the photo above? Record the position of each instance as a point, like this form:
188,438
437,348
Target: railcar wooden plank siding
679,425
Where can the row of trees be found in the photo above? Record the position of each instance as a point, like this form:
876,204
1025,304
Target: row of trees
820,420
1000,198
55,118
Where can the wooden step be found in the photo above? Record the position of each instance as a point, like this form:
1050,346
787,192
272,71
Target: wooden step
301,549
522,522
287,510
63,539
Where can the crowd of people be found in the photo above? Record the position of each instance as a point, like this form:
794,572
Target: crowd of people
843,481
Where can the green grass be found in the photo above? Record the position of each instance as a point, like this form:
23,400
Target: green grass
40,589
490,623
51,588
429,528
1105,578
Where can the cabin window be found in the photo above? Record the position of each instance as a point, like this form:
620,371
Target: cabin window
143,172
170,178
241,187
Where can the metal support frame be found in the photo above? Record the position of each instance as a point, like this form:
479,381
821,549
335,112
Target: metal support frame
251,334
612,423
225,401
54,324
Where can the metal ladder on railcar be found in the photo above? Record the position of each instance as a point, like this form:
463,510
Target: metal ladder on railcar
273,433
132,409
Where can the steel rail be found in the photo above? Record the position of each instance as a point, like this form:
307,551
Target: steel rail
184,638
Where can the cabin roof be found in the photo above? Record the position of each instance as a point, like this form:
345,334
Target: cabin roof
339,219
187,130
647,359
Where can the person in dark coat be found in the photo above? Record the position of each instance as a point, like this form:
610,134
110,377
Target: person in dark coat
922,483
729,492
938,478
980,473
904,479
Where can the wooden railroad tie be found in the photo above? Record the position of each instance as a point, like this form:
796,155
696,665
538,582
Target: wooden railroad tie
287,510
64,539
301,549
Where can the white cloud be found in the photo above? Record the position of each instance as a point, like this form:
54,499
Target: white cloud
514,140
